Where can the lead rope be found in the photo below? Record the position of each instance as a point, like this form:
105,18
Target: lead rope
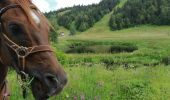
25,82
24,79
6,93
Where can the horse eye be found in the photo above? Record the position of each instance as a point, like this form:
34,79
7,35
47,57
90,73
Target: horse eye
15,29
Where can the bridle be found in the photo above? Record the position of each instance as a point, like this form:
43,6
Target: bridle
21,51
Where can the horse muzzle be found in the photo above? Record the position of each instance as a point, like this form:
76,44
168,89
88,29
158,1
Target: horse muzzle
54,83
48,85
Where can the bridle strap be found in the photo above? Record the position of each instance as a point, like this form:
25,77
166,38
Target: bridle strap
4,9
23,52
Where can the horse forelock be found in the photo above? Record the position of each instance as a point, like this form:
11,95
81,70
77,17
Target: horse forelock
25,6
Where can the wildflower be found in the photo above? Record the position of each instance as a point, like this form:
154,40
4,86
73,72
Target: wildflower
100,83
82,97
75,98
67,95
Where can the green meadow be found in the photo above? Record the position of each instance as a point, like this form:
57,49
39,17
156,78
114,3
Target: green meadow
139,75
128,64
97,83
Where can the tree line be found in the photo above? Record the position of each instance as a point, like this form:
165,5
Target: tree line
137,12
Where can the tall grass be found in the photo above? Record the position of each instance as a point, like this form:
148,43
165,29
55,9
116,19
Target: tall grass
98,83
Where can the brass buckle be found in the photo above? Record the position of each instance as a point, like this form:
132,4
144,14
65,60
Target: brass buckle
22,51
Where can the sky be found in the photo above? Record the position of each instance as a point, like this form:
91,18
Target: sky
50,5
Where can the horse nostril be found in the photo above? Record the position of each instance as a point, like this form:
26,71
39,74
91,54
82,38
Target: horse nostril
63,79
58,80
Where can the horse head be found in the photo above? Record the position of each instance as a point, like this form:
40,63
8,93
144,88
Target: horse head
25,41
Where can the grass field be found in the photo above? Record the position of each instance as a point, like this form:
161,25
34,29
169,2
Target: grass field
138,75
147,32
97,83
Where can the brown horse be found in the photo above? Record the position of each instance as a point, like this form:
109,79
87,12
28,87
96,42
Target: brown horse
24,45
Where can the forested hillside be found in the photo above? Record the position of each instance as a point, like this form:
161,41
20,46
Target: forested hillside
137,12
81,18
131,13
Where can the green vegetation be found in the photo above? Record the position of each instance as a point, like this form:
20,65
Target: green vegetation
137,12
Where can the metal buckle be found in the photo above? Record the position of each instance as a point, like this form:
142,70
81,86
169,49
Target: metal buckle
22,51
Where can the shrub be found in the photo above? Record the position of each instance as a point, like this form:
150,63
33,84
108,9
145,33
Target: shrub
99,47
117,48
80,49
108,62
166,60
134,90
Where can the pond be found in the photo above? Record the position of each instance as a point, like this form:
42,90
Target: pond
101,48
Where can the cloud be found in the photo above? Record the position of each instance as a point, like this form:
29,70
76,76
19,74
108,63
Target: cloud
43,5
48,5
70,3
53,4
